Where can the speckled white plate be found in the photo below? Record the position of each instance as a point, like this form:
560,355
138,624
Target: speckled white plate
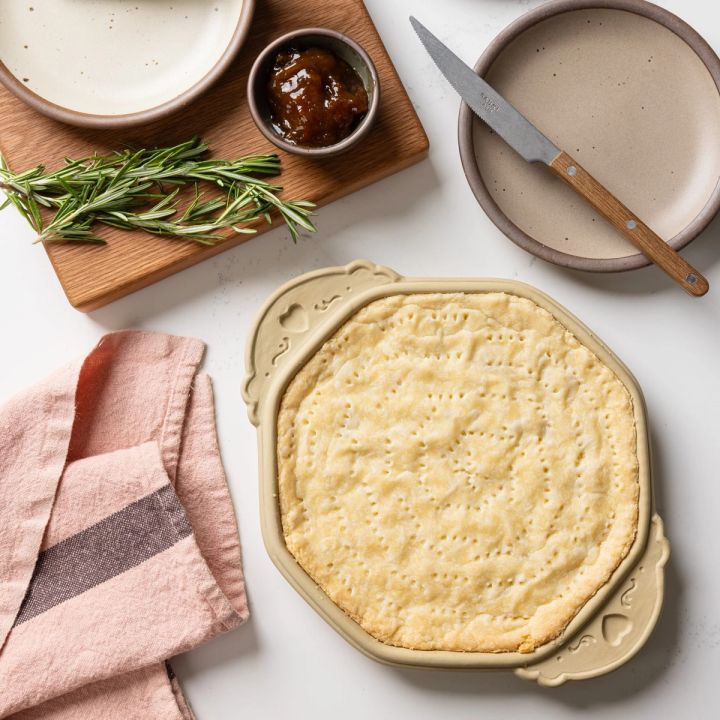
103,63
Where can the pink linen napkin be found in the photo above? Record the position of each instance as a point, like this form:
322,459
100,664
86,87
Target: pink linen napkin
118,542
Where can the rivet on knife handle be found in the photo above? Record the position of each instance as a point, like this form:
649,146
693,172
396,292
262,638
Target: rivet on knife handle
648,242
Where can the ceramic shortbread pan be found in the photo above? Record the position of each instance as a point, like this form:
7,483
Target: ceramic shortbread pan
294,323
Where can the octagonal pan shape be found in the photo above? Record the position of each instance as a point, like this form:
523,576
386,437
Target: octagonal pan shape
293,325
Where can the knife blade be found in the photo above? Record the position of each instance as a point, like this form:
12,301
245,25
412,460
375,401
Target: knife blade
535,147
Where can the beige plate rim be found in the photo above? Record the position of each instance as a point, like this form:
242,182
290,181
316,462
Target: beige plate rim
269,506
93,120
467,148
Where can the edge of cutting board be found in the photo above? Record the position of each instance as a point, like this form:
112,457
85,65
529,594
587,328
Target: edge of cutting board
132,261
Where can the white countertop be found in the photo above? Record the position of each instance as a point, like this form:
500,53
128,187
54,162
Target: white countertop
286,662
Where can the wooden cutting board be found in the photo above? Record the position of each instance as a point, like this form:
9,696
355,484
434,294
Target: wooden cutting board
95,276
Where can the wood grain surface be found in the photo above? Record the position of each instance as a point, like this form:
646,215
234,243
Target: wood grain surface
95,276
624,220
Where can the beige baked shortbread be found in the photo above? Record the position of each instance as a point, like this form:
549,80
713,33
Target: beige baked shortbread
458,472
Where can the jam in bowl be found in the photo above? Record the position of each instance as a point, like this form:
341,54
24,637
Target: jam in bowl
313,92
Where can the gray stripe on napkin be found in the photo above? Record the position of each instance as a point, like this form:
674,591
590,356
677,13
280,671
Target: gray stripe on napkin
103,551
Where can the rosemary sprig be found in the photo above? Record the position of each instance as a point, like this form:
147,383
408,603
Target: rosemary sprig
140,189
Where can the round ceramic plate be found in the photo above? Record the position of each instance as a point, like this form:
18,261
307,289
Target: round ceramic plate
629,90
117,62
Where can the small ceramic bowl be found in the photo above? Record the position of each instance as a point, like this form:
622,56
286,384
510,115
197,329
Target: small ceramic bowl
628,89
115,65
346,49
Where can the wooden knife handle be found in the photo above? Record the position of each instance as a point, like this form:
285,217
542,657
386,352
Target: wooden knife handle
650,244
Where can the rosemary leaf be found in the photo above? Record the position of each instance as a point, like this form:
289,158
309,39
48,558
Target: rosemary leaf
127,190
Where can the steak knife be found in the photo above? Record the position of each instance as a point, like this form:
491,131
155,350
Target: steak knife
521,135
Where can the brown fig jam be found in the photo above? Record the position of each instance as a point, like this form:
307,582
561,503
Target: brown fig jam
316,99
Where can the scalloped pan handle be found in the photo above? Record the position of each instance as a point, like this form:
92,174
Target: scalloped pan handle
292,312
619,629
